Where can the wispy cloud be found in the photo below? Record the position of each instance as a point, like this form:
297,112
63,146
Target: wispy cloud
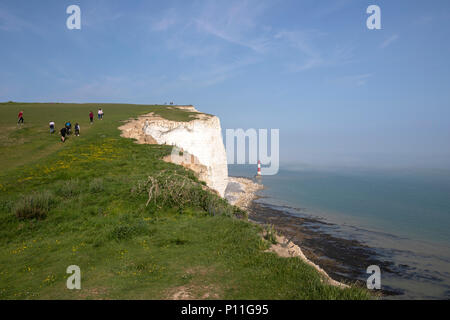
312,56
215,73
164,24
353,80
212,25
389,41
9,22
236,23
186,48
214,29
302,41
121,87
169,19
361,79
256,44
210,34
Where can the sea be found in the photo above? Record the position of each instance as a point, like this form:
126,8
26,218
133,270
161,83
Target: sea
403,213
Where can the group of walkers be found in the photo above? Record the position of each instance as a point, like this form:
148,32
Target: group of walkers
99,113
67,129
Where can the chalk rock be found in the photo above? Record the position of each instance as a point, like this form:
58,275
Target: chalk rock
199,144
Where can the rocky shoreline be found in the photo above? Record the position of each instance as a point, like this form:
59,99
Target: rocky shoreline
241,192
341,261
345,260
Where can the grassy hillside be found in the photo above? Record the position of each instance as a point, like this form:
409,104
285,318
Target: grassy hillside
84,203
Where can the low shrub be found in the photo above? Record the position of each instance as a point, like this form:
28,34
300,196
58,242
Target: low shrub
122,232
128,231
70,188
171,189
178,241
34,206
6,205
270,234
96,185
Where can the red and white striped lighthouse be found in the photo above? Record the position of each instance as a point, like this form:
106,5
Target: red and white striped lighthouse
259,168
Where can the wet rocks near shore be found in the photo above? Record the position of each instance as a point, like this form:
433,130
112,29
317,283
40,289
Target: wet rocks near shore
344,260
241,192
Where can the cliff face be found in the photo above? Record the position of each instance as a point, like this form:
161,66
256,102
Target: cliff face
198,144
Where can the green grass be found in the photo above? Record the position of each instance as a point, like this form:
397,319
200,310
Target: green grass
97,218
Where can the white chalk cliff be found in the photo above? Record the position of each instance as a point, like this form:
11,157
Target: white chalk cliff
199,143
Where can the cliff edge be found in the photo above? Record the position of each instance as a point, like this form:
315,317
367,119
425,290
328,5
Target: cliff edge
198,143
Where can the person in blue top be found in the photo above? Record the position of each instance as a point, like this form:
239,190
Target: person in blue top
68,127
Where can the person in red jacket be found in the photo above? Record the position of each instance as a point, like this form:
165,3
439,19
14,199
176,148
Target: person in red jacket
91,116
20,117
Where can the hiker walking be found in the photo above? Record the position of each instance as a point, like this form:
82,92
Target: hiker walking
52,127
100,114
20,117
91,117
63,134
77,129
68,127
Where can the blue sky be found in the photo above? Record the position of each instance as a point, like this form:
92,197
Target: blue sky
339,93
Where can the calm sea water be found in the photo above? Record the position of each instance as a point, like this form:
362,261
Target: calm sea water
403,213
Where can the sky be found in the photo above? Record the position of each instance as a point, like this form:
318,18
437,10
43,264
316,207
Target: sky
340,94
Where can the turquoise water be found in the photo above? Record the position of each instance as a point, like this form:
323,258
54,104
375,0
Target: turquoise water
404,213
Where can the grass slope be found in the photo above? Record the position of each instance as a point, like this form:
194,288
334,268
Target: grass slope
94,220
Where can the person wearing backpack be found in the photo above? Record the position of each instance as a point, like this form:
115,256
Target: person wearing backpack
77,129
63,132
